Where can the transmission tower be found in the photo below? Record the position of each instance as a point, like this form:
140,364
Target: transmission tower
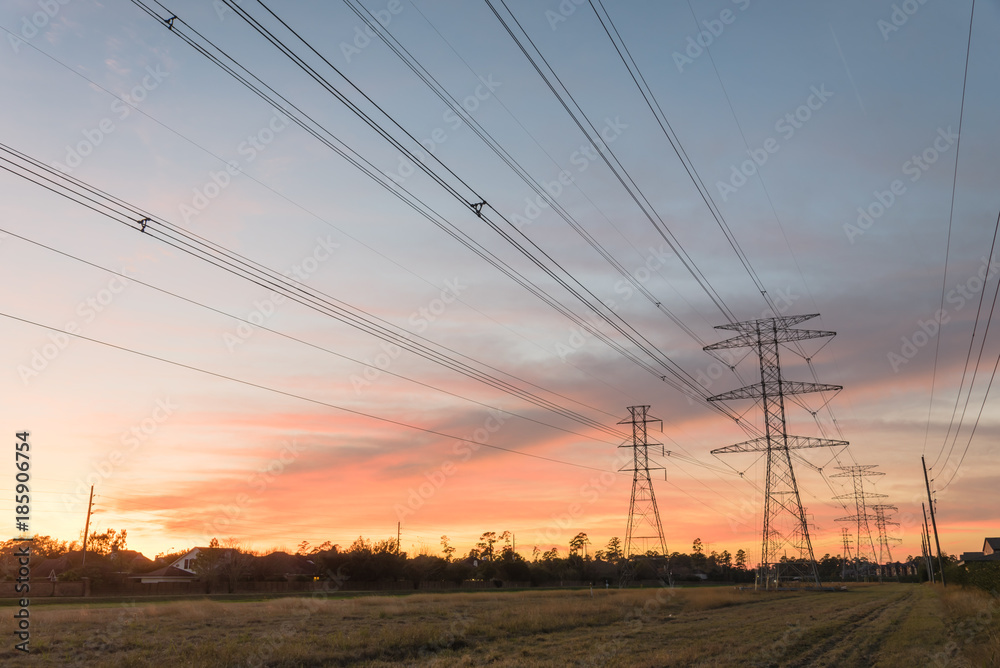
861,517
846,535
784,518
880,524
644,530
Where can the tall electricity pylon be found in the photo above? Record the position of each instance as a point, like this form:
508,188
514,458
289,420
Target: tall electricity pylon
861,516
883,538
784,518
643,514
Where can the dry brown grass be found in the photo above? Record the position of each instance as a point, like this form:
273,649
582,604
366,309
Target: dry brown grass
890,625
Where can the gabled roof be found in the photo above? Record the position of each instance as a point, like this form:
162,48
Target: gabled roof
167,572
45,569
991,545
282,563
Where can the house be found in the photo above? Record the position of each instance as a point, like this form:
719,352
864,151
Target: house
991,552
51,569
180,569
185,562
130,561
281,565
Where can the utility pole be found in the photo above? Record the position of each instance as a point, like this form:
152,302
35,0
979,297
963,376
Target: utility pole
642,511
930,503
86,527
925,545
398,527
784,518
928,552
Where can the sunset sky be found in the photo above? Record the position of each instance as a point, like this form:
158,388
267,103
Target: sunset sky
844,115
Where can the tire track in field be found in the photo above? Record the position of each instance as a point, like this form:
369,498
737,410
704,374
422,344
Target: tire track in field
857,641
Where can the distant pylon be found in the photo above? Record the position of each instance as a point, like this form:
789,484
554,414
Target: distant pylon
846,535
644,530
784,518
883,538
861,517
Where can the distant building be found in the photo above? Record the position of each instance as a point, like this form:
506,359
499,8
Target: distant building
991,552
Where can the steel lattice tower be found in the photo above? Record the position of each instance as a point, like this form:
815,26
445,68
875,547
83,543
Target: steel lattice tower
846,535
880,524
861,515
643,514
784,517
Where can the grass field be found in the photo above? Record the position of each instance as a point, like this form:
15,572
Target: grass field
881,625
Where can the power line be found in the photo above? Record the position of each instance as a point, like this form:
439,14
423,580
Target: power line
621,174
676,377
292,395
234,263
597,306
951,214
292,338
208,152
968,355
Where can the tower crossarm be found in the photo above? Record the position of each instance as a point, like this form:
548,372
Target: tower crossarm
854,518
792,443
857,470
749,339
779,322
852,495
787,387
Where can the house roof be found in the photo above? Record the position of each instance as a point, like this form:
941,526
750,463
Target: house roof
166,572
57,565
991,545
282,563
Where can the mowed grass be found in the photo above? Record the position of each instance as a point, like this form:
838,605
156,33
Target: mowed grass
878,625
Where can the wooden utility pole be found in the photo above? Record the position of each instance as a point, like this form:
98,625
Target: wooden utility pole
86,527
926,535
930,503
399,526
